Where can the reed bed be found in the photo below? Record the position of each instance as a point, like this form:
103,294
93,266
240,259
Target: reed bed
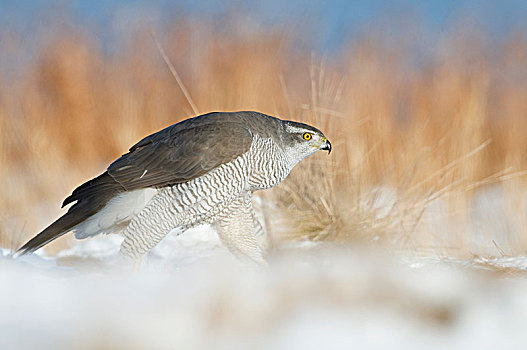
413,143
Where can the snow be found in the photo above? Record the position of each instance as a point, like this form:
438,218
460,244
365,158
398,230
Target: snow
192,294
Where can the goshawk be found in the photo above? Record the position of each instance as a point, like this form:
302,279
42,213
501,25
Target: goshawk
202,170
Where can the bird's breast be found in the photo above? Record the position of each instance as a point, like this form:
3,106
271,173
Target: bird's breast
268,164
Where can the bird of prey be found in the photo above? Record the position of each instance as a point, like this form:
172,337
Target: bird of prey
202,170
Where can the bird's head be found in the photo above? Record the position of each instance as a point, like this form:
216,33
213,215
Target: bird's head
302,140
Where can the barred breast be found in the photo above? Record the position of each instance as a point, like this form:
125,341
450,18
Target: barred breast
269,165
206,199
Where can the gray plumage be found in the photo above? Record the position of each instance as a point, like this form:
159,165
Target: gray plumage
201,170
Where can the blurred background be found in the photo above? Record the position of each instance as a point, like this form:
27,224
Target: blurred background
412,234
425,103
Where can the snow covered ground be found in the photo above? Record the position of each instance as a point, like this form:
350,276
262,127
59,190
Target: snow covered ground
192,294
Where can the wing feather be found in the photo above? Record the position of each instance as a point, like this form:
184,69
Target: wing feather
177,156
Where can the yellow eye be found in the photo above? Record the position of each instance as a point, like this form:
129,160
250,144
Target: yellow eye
307,136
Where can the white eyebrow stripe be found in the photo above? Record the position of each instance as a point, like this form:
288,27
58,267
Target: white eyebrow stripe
293,129
144,173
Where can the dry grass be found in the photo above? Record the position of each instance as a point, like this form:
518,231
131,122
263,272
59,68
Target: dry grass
405,136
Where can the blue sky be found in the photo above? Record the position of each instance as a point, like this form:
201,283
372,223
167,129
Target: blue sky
331,22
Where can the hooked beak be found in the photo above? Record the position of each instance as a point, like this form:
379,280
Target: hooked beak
326,146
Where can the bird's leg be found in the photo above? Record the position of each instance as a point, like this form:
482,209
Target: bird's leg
238,231
138,243
152,224
132,252
262,235
129,262
146,230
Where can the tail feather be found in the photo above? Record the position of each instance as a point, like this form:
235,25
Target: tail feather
61,226
90,197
